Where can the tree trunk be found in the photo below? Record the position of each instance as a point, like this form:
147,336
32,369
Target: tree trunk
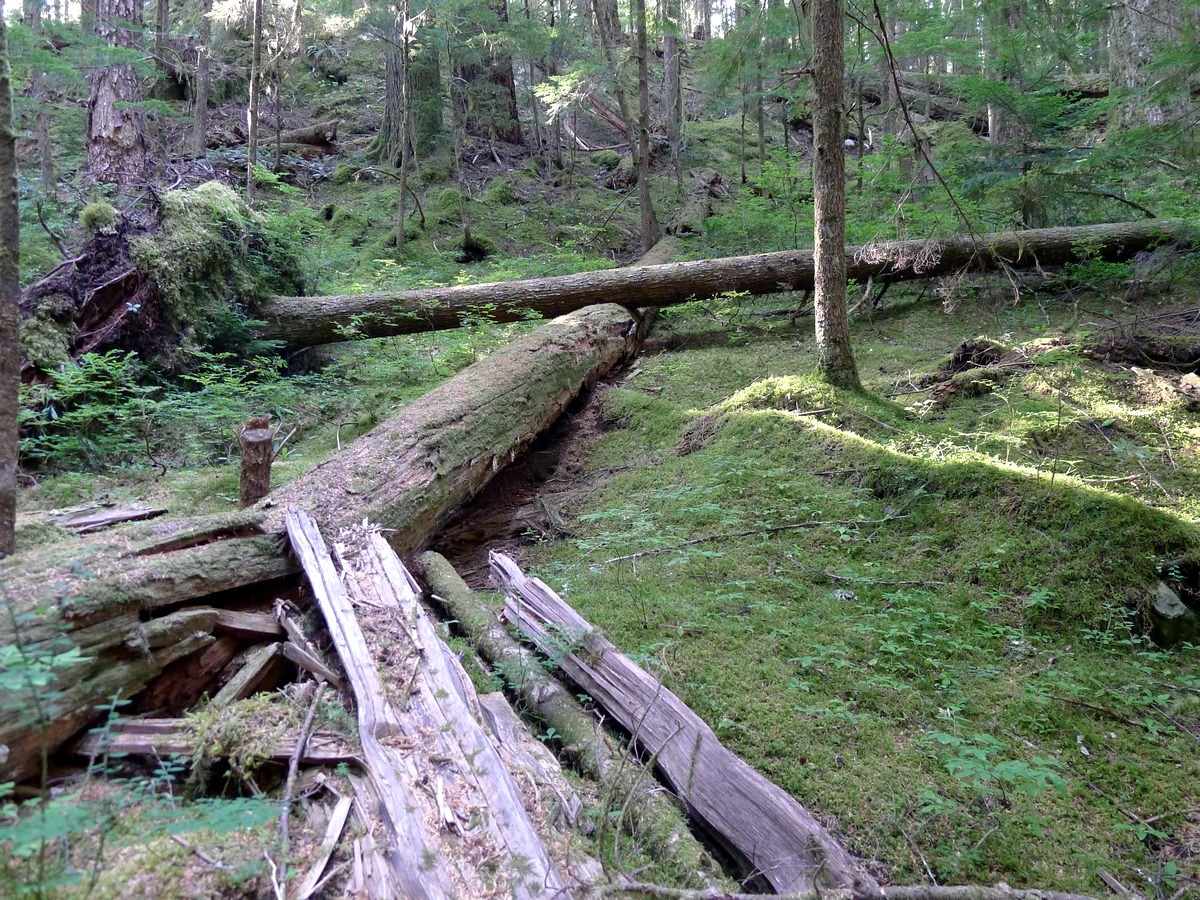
407,474
10,295
41,128
203,80
162,27
406,118
385,149
1139,32
307,321
672,87
649,220
255,91
116,130
835,359
488,92
608,28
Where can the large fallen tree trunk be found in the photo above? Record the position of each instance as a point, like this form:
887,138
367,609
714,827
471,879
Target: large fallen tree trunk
86,615
305,321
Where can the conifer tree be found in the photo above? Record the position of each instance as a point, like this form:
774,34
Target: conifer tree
10,347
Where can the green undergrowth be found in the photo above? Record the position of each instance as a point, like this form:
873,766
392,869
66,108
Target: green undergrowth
951,670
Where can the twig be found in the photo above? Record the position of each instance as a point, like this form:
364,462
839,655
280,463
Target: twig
917,850
846,578
284,441
293,768
200,854
1103,710
54,237
276,885
747,533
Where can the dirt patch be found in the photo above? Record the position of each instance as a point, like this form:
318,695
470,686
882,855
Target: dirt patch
531,499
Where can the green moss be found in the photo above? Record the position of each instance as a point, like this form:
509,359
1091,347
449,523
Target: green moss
500,193
214,260
445,205
607,159
98,217
46,342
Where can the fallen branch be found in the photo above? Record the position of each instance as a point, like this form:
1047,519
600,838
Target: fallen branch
916,892
774,529
290,785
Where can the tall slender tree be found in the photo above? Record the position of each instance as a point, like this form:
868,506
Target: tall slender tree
405,30
203,80
649,220
835,358
10,348
255,94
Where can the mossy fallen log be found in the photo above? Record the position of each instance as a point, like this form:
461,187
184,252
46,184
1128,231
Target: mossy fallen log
305,321
77,611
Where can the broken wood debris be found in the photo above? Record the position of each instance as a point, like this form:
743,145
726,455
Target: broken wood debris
760,822
458,825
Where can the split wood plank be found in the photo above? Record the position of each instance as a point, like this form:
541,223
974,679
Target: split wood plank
307,661
758,820
84,523
253,625
337,824
250,676
430,763
170,737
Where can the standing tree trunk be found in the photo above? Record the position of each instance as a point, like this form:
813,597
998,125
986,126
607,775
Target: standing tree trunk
406,118
608,27
385,149
673,87
37,87
116,126
162,26
255,90
10,294
203,79
649,220
1139,31
487,90
835,358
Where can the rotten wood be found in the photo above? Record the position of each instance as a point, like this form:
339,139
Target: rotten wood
257,669
429,759
255,626
306,321
171,737
85,523
652,816
764,825
257,441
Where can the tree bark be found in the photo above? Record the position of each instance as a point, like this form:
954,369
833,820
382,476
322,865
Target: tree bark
255,91
487,94
649,220
84,611
203,80
116,130
307,321
258,444
1139,31
835,358
10,295
162,27
406,118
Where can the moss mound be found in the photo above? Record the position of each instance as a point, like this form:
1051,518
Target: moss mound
214,260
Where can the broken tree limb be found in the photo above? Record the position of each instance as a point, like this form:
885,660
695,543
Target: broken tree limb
657,822
305,321
446,794
766,827
916,892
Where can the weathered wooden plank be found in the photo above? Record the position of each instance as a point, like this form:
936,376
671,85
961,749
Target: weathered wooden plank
169,737
256,626
307,661
766,827
85,522
253,674
421,706
337,823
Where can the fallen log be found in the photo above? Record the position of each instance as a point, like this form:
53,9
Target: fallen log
657,822
323,133
761,823
305,321
447,797
77,607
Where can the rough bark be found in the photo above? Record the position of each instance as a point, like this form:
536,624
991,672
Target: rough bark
258,443
99,598
1138,31
406,145
203,80
10,294
649,220
116,130
487,91
612,37
307,321
835,358
255,91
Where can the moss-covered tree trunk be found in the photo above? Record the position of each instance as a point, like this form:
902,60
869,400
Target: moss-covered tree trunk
649,219
89,613
10,346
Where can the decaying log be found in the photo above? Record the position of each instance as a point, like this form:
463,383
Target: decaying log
412,471
305,321
258,667
705,185
409,473
86,522
170,737
776,836
255,626
658,823
429,758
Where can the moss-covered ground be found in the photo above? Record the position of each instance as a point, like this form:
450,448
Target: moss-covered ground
952,672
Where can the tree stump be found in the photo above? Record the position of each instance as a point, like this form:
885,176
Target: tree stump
258,444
